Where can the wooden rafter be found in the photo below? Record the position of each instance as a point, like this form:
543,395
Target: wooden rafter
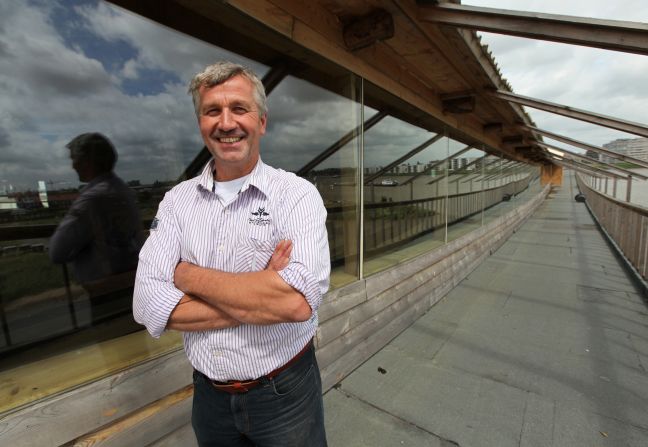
571,112
614,35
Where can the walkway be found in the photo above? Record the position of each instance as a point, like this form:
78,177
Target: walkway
545,344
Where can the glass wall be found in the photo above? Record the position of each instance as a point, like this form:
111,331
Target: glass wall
314,132
68,255
404,211
74,67
465,195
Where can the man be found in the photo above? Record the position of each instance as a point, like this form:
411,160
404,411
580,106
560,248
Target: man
237,259
101,233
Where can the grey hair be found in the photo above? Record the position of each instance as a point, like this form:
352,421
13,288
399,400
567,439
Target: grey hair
220,72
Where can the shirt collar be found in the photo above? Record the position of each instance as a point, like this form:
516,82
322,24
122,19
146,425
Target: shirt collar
100,178
258,177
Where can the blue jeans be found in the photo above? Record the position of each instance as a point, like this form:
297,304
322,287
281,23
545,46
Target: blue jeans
285,411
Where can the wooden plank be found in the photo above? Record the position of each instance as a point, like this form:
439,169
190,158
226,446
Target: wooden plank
324,45
586,146
332,351
273,16
314,15
361,350
184,437
145,425
33,381
342,299
631,37
572,112
62,418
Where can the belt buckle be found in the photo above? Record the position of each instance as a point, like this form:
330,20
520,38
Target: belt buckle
235,387
239,387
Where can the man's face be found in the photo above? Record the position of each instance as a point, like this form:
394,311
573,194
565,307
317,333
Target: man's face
82,166
231,127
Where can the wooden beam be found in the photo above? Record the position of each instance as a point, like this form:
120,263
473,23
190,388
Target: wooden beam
630,37
584,157
586,146
493,127
463,102
583,167
571,112
365,31
513,139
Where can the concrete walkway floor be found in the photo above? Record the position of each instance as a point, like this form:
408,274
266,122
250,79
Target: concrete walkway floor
544,344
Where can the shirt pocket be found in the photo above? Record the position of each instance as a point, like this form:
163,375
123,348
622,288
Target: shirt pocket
253,254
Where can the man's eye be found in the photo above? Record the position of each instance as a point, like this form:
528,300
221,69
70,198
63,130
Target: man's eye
239,110
212,112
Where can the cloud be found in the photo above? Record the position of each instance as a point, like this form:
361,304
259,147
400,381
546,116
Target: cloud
59,80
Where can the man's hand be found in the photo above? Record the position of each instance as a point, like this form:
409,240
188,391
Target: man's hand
281,256
185,272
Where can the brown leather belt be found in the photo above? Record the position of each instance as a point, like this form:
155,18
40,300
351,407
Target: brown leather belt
236,387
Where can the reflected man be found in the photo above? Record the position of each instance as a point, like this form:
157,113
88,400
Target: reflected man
101,232
237,259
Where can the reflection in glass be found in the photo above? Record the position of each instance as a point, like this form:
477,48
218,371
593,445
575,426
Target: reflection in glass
404,212
465,198
315,133
69,68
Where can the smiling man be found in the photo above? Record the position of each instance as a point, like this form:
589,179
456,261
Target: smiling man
237,259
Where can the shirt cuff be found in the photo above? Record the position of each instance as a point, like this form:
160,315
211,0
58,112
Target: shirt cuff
299,277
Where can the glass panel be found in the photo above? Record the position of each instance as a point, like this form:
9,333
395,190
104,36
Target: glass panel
69,68
404,212
492,186
304,122
465,193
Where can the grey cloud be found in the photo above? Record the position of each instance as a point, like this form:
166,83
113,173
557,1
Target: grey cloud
5,139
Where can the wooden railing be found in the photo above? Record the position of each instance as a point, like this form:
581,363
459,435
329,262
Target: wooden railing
625,223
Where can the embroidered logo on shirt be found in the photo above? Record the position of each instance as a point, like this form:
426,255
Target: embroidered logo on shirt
154,223
259,217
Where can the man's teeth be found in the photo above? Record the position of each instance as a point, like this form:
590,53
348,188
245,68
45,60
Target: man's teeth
230,140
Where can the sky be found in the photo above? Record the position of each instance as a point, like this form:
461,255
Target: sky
601,81
74,66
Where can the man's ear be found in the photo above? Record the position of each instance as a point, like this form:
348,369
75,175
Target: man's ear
264,120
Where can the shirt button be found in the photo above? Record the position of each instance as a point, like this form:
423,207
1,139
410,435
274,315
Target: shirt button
221,247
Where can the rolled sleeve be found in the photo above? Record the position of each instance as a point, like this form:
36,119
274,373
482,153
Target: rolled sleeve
300,278
155,295
309,268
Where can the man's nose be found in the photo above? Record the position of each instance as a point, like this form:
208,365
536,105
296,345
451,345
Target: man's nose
227,121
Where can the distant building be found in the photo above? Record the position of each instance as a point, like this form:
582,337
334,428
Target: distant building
7,203
632,147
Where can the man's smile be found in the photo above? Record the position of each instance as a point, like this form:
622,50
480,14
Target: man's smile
229,139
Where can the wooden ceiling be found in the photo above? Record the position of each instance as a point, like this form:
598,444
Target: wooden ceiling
435,76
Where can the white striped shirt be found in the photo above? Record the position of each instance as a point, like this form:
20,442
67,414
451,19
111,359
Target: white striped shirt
192,225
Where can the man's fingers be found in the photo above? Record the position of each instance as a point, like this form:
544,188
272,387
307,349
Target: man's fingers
281,256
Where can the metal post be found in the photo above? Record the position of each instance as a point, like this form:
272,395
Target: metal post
68,291
614,187
629,188
606,185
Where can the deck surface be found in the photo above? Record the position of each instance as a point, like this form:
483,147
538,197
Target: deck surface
544,344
